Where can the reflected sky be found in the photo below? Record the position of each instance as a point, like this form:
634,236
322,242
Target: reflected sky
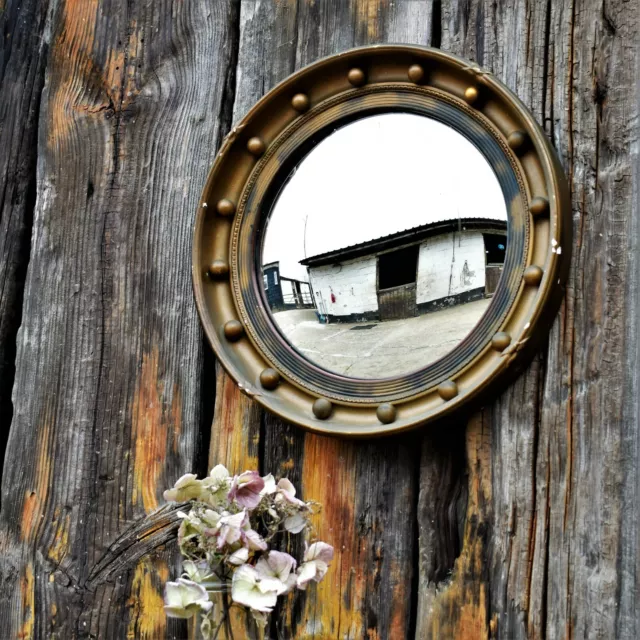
374,177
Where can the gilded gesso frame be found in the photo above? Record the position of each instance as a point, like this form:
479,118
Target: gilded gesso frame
255,160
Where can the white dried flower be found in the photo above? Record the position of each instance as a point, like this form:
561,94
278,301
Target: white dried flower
278,567
317,558
184,598
186,488
249,590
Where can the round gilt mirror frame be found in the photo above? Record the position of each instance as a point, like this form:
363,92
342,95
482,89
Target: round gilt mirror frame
253,164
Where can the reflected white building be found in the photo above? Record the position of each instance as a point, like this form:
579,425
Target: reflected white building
405,274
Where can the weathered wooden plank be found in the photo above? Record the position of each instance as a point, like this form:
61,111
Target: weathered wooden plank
235,434
108,394
461,610
370,522
107,397
267,43
491,556
589,411
511,42
441,515
564,438
23,54
235,442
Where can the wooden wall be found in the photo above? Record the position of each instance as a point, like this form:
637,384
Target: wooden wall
520,521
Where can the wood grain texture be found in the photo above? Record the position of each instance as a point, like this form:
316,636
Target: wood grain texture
520,522
562,531
235,434
369,520
23,54
109,356
460,610
441,515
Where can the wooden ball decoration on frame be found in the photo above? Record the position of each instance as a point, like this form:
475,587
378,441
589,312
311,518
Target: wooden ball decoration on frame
240,294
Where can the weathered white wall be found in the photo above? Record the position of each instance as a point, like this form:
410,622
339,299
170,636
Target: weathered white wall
446,266
441,265
353,283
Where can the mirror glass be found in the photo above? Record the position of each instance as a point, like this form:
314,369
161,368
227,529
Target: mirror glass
384,246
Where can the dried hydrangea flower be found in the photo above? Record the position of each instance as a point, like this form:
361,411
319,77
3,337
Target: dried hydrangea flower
317,558
288,492
198,571
253,540
185,598
269,485
230,528
246,488
227,533
248,589
295,523
238,557
216,487
187,487
278,567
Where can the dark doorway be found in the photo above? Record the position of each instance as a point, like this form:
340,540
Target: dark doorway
397,273
495,246
397,267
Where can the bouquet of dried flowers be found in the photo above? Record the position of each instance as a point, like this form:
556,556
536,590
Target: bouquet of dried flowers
226,536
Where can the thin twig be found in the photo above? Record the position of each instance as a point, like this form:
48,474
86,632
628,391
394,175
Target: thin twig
224,619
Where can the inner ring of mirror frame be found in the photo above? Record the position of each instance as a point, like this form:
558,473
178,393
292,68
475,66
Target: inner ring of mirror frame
263,187
384,246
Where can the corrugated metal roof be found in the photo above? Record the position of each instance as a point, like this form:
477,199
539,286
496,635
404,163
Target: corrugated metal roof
402,237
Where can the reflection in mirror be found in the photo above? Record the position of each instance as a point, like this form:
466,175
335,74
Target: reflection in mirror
384,246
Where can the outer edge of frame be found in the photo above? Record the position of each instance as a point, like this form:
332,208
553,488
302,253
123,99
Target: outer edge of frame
544,308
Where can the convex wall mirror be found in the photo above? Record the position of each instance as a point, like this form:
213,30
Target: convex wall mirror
381,240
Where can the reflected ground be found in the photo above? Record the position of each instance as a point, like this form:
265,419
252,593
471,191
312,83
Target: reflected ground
390,348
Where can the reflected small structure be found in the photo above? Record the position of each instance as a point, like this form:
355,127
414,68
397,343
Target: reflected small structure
283,293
